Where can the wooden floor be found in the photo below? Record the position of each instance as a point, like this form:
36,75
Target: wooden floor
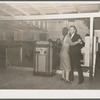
13,78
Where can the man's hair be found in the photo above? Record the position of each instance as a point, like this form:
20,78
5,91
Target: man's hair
74,28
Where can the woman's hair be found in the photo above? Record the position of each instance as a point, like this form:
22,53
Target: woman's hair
65,31
74,28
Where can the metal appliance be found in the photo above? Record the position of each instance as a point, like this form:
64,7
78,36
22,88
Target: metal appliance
43,58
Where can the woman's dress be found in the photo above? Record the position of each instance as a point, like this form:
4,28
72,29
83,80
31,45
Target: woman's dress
64,54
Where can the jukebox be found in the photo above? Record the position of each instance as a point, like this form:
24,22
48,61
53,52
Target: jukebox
43,59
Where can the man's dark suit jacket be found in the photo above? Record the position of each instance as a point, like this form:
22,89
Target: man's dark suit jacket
76,49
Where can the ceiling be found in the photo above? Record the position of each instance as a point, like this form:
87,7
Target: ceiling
31,9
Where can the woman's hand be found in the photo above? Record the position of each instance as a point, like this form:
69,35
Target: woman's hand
79,41
69,34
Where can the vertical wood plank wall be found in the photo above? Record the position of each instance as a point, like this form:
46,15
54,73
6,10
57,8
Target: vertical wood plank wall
91,48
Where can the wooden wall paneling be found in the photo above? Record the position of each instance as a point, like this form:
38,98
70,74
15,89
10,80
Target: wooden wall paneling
46,25
32,31
15,35
1,35
27,36
36,36
27,54
43,37
13,56
41,24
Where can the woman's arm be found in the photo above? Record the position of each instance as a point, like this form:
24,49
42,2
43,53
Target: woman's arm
72,43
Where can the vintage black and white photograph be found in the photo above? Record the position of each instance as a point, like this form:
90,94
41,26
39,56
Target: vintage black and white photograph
50,45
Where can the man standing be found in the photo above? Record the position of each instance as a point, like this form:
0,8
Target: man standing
75,54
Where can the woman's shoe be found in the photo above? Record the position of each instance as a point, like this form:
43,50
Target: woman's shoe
62,79
67,81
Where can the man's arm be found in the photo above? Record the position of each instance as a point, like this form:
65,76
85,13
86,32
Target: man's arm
83,43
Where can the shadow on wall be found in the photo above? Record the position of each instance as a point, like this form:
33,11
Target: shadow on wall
13,55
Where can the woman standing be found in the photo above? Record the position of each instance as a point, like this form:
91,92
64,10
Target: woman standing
64,55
